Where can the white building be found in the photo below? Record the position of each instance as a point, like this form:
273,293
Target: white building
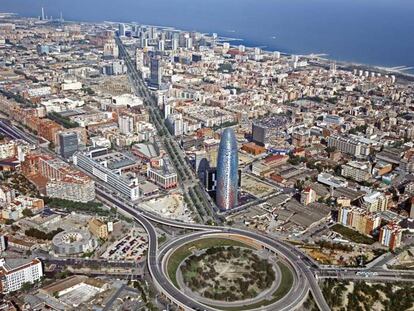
175,124
126,125
71,85
345,145
15,272
375,202
109,168
8,150
39,91
126,100
358,171
332,181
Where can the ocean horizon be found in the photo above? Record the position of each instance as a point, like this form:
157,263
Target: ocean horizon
372,32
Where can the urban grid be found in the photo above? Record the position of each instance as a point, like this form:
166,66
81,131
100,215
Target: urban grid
151,168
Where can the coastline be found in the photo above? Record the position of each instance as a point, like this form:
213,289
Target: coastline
407,75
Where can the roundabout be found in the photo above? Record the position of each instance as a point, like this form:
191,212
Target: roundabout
286,298
231,272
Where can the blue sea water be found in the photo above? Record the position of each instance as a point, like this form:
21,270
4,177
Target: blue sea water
376,32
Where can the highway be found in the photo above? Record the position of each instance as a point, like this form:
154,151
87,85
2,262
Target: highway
296,296
289,253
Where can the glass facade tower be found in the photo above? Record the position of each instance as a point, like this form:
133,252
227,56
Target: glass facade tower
227,171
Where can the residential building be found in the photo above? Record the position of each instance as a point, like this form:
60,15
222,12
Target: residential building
359,219
390,236
375,202
16,272
308,196
98,228
358,171
57,179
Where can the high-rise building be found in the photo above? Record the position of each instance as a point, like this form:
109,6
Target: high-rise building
390,236
156,73
126,124
260,133
121,30
174,44
161,45
167,110
68,144
227,171
269,130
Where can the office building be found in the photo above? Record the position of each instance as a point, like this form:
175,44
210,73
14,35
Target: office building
16,272
333,119
155,72
269,130
227,171
68,144
114,168
43,49
162,173
121,30
332,181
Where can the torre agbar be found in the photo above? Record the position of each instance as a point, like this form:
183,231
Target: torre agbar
227,171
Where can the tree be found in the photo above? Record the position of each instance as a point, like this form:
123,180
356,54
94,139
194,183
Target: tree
330,149
26,286
27,212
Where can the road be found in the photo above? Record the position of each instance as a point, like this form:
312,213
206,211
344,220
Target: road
188,180
8,129
291,254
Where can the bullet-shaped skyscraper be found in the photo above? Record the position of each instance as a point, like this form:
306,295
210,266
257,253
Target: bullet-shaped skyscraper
227,171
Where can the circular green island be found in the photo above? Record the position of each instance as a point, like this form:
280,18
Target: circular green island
229,274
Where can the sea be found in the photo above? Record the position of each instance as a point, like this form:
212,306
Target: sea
372,32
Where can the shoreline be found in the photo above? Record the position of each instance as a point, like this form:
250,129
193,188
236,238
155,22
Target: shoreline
343,64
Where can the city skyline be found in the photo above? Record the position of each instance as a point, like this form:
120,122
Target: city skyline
315,34
147,167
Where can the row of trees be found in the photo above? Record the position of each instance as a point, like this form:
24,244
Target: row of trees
38,234
64,121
